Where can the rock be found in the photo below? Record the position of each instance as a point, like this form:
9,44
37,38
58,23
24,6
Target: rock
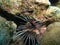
53,12
52,35
10,5
2,19
7,30
18,6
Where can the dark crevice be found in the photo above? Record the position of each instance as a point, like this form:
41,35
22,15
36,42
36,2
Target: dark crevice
11,17
54,2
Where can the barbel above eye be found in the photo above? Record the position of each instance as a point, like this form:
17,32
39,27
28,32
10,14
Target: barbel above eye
38,22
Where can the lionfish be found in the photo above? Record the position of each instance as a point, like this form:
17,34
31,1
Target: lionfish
27,26
26,32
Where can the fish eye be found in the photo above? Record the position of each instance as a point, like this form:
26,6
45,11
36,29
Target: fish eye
30,11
